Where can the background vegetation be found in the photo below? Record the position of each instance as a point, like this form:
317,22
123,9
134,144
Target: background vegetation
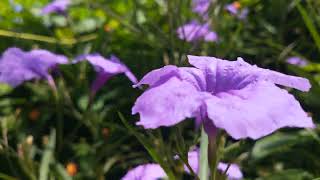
59,137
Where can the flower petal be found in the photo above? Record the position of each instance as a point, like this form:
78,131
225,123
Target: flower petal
107,67
17,66
233,172
256,110
168,104
158,76
227,75
145,172
57,6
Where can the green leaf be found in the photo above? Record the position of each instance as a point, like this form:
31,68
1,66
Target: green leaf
148,146
6,177
62,172
289,174
47,157
310,25
5,89
279,142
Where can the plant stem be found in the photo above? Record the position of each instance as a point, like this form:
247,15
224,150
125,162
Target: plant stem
47,39
203,169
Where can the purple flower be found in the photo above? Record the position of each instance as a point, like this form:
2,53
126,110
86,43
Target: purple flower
105,68
194,31
57,6
17,66
297,61
240,98
145,172
201,7
233,172
235,9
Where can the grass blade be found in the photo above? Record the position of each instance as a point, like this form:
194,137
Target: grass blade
148,147
47,157
310,25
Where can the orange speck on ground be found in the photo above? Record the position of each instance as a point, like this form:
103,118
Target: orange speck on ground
34,115
236,4
72,168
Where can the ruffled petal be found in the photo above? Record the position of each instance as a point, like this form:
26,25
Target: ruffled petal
256,110
17,66
145,172
105,68
102,64
127,71
40,61
168,104
159,76
226,75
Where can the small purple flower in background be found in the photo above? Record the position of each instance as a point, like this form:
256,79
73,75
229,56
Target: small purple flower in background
56,6
194,31
105,68
233,173
16,6
235,9
201,7
297,61
17,66
240,98
145,172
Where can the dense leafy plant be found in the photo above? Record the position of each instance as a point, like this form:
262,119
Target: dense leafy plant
65,132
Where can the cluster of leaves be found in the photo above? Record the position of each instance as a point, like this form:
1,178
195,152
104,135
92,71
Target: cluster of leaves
42,132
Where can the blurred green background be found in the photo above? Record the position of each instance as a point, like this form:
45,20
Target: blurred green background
95,143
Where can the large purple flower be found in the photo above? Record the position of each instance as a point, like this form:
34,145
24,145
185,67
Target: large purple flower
233,171
57,6
194,31
105,68
17,66
145,172
235,96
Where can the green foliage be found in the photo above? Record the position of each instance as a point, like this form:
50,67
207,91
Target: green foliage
42,132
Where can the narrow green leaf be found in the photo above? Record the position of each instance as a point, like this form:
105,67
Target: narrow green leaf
296,174
62,172
148,147
279,142
310,25
6,177
47,157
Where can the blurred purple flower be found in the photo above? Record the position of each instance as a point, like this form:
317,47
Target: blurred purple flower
235,9
297,61
105,68
56,6
240,98
201,7
233,172
145,172
194,31
17,66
